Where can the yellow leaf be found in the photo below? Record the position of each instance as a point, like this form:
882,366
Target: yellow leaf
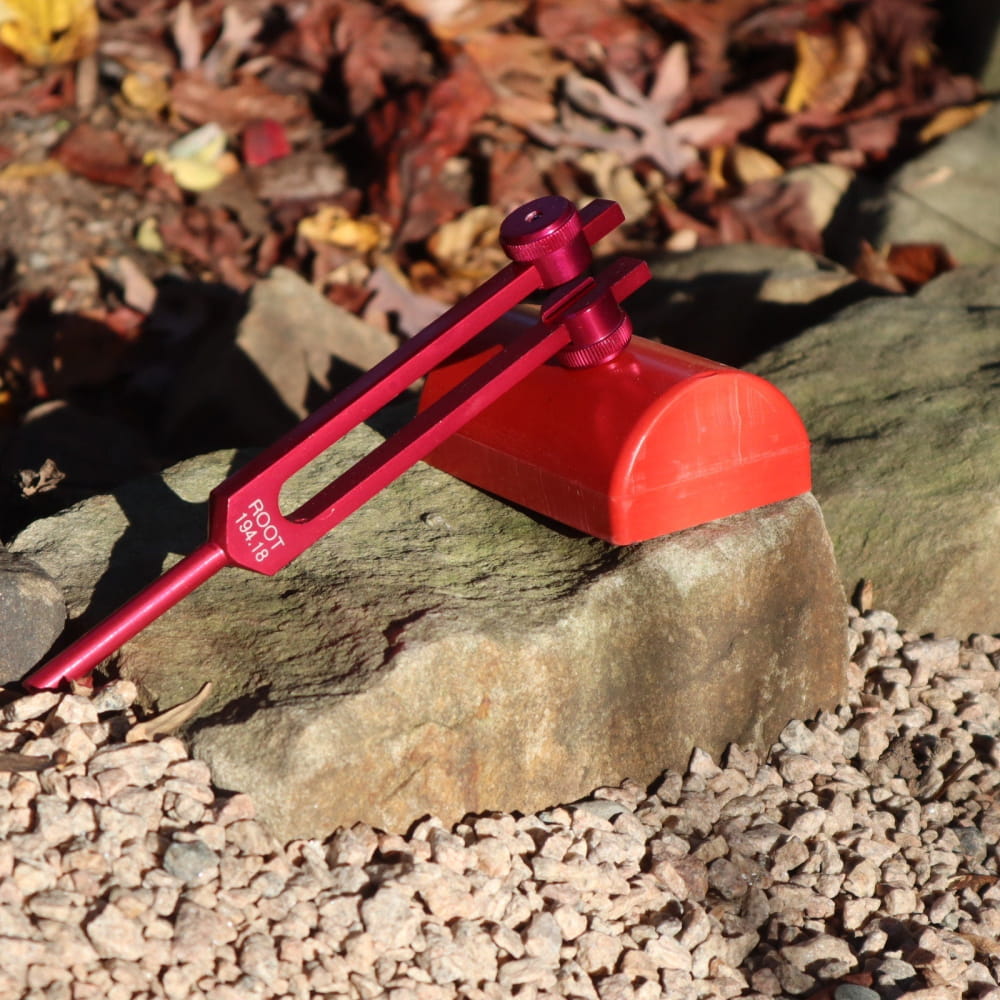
43,32
146,92
147,236
14,176
194,174
827,69
332,224
197,161
749,165
950,119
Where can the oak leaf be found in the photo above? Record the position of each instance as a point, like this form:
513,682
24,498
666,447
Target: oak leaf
639,121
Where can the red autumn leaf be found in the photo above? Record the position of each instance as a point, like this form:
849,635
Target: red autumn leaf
376,48
264,140
916,263
416,136
599,36
711,26
100,155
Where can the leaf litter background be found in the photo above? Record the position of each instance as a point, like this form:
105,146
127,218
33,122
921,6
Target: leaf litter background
158,159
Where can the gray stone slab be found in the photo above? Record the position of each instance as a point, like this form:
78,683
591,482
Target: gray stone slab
442,652
901,398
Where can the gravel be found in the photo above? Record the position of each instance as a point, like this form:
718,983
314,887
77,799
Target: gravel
860,855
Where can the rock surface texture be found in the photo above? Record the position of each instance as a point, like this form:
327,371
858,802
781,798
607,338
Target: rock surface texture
730,303
32,614
901,398
443,653
948,195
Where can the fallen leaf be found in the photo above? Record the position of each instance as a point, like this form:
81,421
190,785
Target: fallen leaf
377,47
419,138
522,71
950,119
100,155
207,234
200,101
170,720
16,175
43,480
146,91
264,141
864,595
44,32
873,267
986,946
973,882
827,69
772,212
22,762
393,299
914,264
239,30
458,19
713,27
672,146
197,161
333,224
148,237
902,267
599,36
747,165
615,180
468,246
138,292
312,175
187,36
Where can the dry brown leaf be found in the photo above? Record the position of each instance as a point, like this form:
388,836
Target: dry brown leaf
21,762
201,101
187,36
973,882
873,267
100,155
522,71
44,480
455,19
986,946
170,720
468,245
951,119
827,69
864,594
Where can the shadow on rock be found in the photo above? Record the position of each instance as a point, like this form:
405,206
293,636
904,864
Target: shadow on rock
732,303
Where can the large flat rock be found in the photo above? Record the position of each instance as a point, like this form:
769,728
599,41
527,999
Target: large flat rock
442,652
948,195
901,398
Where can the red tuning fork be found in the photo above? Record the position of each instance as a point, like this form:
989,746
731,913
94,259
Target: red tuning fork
549,244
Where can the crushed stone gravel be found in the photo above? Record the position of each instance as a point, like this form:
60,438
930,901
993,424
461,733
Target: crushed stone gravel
864,846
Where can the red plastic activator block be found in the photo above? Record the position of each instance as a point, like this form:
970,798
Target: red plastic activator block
650,442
